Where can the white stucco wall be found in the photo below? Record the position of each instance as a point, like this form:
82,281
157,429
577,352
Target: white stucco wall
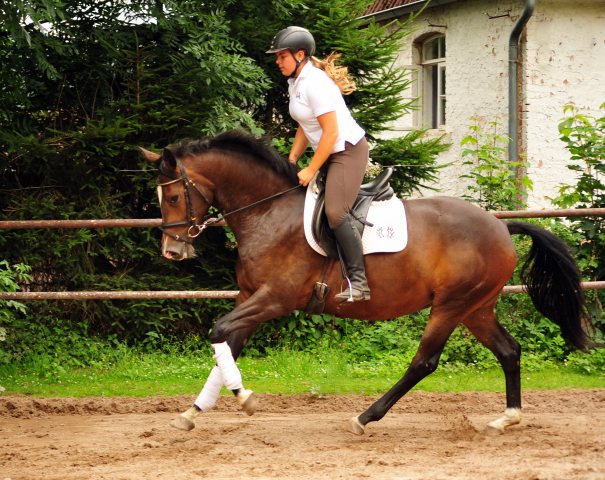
563,60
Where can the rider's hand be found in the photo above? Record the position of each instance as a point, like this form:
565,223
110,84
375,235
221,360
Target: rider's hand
306,175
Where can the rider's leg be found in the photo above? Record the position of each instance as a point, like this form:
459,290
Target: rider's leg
345,172
349,239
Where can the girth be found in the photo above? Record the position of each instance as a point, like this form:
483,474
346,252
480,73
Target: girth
376,190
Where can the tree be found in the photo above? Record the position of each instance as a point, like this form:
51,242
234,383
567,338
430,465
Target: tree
88,83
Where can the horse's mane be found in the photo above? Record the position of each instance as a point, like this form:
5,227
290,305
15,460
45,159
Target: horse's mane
239,141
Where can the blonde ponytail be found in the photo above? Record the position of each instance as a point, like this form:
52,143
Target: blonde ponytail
337,73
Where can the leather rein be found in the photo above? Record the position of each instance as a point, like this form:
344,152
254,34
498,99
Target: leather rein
208,219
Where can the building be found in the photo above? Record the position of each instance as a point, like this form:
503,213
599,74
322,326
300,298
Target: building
460,54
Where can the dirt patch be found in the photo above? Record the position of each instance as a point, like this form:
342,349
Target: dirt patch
426,436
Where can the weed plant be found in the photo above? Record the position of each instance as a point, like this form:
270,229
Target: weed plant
493,185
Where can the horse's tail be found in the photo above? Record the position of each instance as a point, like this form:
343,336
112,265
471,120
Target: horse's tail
554,284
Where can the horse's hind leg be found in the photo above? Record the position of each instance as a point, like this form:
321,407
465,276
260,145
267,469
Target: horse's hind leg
484,325
439,328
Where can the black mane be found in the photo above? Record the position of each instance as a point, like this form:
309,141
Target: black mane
239,141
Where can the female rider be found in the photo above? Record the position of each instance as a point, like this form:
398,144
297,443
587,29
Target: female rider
316,91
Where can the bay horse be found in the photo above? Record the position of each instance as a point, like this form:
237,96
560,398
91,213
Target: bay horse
457,260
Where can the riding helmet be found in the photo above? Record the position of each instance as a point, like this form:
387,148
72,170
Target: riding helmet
293,39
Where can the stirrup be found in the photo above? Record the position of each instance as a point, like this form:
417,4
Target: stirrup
348,297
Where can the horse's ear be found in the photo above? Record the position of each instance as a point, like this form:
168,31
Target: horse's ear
151,156
169,159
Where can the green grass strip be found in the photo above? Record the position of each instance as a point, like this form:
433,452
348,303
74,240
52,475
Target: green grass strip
286,372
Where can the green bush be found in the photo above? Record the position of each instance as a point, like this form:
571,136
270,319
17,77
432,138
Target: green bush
9,279
584,138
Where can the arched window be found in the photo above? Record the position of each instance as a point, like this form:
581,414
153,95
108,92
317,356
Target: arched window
433,79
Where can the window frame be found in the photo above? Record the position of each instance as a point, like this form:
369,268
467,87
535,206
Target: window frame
434,79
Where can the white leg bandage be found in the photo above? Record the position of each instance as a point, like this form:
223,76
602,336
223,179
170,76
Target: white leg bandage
207,397
232,378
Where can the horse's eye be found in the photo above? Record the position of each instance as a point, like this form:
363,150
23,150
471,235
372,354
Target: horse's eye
173,199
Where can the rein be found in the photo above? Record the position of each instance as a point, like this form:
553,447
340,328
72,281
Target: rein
208,219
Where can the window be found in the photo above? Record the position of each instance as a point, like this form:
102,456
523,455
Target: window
433,72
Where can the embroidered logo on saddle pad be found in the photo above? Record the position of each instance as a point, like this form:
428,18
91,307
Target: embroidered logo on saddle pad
388,234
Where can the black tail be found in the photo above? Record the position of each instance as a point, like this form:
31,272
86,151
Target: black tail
554,284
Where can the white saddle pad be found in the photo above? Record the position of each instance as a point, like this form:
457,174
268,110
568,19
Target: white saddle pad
389,233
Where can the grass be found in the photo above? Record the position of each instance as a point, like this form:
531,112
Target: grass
282,371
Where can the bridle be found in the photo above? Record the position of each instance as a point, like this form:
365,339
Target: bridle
187,183
209,219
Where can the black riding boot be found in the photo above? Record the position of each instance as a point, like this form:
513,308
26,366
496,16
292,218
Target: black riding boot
349,240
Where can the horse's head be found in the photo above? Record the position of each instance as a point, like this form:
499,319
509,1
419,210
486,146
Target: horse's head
185,197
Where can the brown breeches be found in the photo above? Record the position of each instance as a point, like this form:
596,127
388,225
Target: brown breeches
345,171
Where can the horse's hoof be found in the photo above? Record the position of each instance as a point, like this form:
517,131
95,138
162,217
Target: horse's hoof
248,401
355,427
489,430
182,423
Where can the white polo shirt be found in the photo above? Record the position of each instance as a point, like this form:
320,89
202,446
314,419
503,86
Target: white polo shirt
312,94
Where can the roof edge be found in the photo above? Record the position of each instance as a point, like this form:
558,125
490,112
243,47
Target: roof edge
403,9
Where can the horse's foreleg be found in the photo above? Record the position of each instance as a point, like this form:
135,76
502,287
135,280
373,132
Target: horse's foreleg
259,308
486,328
424,363
212,388
232,378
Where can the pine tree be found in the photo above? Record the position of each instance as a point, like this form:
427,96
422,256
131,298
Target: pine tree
369,51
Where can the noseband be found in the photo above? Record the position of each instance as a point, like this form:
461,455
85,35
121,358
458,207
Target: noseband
208,219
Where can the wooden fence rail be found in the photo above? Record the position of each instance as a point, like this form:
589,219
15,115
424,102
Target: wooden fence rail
156,222
117,295
129,295
150,223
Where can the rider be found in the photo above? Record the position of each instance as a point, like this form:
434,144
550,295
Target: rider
316,89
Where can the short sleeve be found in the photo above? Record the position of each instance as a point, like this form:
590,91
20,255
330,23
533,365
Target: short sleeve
321,95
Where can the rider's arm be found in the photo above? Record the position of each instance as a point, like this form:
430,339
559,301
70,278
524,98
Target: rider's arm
329,126
299,146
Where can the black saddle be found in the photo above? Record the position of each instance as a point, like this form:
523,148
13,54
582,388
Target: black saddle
376,190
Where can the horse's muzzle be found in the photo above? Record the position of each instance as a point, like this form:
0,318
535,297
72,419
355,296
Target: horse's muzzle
174,250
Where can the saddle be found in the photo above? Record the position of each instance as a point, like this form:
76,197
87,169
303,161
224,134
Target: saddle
377,190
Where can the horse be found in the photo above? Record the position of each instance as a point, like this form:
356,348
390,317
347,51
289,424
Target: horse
457,260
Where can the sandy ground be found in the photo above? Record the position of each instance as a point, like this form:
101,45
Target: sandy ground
425,436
